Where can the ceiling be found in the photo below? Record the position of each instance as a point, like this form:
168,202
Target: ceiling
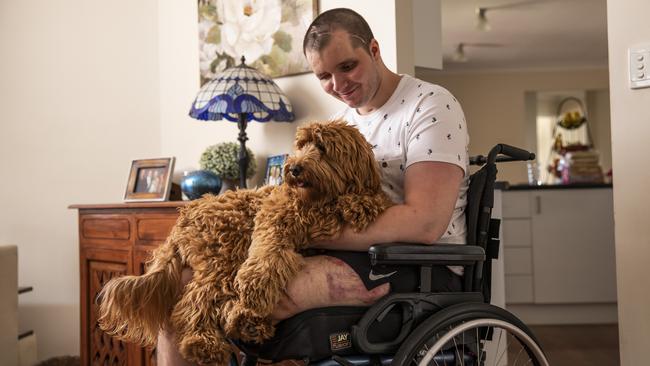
542,34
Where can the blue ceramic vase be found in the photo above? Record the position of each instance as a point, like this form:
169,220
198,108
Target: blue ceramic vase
199,182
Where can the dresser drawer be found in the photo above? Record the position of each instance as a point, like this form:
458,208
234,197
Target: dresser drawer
117,228
106,231
154,229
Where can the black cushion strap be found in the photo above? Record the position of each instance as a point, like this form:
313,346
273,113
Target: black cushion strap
492,249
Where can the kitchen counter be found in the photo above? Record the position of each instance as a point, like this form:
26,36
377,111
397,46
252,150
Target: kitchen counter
559,253
527,187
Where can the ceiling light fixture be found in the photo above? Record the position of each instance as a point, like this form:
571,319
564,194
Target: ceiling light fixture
482,23
461,56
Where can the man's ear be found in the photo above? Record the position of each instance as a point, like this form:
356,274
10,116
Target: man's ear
374,49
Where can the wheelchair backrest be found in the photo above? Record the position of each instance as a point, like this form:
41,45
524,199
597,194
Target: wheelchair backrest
478,212
482,230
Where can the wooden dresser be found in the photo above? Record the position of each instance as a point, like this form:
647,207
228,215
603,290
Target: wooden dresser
116,240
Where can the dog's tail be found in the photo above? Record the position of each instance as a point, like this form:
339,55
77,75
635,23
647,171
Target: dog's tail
134,308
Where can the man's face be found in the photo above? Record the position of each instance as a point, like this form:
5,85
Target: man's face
349,74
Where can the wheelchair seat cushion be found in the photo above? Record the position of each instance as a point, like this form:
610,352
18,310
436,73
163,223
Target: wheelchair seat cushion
402,278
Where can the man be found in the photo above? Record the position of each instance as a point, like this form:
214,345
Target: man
420,139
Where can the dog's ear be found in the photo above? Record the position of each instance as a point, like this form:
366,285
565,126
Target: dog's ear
318,139
355,156
303,136
311,133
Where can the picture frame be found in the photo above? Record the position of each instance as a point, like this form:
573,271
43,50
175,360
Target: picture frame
275,169
274,47
149,180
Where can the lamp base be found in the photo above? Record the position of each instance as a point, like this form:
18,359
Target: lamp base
243,154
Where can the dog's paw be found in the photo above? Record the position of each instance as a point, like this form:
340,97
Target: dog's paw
205,350
244,324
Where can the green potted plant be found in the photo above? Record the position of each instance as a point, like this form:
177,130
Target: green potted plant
223,160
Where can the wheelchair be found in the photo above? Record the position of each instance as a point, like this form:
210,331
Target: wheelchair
422,328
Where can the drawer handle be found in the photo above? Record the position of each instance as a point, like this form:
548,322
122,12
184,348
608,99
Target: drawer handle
538,205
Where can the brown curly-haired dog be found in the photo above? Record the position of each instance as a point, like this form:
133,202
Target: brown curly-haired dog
331,180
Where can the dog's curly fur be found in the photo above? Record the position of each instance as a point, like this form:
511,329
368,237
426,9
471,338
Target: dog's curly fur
243,248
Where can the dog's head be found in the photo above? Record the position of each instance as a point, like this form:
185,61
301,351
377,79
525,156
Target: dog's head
331,159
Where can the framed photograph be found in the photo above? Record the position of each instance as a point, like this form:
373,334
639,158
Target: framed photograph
267,33
149,180
275,169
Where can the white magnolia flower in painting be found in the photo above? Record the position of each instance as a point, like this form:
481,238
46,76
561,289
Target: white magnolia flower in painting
208,51
248,27
205,26
207,54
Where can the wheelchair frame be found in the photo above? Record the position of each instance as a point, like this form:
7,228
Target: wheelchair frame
429,319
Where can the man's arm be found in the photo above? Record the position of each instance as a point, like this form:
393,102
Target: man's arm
430,193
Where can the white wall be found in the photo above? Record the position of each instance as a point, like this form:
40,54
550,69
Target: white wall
78,101
628,25
186,138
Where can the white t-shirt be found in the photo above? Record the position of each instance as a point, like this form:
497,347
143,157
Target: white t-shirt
420,122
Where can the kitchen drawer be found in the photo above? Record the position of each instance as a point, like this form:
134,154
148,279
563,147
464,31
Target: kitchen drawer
518,261
519,289
516,233
516,204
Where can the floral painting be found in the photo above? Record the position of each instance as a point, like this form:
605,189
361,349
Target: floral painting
268,33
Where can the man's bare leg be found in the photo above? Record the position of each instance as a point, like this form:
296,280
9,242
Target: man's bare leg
324,281
167,353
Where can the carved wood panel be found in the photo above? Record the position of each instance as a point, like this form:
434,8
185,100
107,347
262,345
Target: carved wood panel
115,240
104,349
140,258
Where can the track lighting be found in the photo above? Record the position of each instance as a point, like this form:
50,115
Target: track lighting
482,23
460,54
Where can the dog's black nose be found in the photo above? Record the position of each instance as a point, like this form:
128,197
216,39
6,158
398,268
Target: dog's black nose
295,170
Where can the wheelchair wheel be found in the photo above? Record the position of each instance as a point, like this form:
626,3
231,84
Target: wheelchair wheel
472,334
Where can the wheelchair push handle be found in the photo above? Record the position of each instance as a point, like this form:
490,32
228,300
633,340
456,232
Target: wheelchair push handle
515,152
502,153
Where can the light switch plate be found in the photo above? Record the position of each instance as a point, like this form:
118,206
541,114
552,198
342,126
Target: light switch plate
639,66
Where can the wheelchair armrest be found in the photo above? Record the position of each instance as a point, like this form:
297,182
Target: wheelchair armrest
423,254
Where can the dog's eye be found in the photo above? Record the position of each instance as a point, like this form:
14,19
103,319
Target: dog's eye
320,147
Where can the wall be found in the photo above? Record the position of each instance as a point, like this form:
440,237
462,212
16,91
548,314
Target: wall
600,125
495,104
78,102
186,138
627,26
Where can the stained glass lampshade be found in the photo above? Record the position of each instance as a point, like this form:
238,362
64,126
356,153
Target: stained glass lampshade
241,94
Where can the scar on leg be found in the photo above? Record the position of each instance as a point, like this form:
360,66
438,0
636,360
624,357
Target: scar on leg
376,293
339,263
352,290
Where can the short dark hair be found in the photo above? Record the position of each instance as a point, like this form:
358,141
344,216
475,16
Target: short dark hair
319,33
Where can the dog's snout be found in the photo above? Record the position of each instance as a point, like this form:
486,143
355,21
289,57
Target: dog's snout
295,170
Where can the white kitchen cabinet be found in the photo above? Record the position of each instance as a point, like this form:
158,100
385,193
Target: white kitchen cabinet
559,246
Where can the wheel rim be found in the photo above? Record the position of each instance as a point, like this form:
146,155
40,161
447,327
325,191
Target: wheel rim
463,345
